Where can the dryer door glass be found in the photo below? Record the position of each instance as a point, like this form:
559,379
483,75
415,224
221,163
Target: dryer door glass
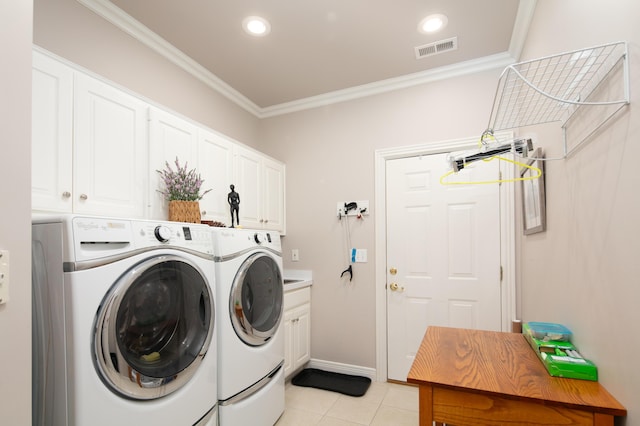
154,328
256,301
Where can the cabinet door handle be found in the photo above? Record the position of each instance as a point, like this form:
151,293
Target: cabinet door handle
66,194
204,212
83,196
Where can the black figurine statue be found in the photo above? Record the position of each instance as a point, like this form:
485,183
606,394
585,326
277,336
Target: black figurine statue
234,205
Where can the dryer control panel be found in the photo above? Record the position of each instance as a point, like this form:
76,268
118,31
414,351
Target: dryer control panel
227,241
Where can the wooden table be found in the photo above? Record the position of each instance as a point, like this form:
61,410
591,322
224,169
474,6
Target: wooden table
473,377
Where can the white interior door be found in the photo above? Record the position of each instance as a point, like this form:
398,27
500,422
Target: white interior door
443,253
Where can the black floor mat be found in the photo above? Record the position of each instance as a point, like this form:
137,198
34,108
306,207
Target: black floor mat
335,382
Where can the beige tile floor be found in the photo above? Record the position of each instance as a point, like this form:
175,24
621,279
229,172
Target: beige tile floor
384,404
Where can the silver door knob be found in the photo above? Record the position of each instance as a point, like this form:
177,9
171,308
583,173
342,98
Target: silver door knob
83,196
66,194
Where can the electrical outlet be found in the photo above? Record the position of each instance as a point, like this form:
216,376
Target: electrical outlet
295,255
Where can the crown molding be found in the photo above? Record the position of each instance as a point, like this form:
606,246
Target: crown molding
143,34
521,26
499,60
140,32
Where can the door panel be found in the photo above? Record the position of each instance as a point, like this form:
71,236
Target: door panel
444,242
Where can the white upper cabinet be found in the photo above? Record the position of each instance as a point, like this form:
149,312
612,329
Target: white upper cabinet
51,135
247,182
215,161
110,150
97,149
171,137
88,145
273,215
260,182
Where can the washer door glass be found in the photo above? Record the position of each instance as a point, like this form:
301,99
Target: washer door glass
256,301
154,328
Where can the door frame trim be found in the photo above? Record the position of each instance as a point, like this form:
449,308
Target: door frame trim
507,235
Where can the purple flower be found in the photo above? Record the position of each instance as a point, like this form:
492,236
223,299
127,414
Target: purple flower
181,184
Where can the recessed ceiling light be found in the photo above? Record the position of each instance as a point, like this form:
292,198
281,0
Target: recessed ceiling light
256,26
432,23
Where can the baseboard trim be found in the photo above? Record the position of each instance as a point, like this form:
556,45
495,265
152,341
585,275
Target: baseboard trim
337,367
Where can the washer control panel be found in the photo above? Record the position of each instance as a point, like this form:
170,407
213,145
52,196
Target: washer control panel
95,238
186,235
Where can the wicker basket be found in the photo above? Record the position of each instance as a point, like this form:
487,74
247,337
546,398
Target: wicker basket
184,211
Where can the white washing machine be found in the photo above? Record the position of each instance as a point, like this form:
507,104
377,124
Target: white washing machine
123,320
249,316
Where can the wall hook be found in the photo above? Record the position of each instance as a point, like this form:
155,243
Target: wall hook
349,270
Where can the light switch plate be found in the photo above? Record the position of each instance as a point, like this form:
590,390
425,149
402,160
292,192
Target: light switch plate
4,276
358,255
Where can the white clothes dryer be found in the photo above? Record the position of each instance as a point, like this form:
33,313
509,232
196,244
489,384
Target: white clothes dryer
249,316
124,322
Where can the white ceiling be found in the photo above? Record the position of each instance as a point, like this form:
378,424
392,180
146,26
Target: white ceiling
319,51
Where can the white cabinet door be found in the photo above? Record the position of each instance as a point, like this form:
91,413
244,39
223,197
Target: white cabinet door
171,137
273,195
52,140
301,335
248,183
260,182
110,150
215,160
297,329
288,342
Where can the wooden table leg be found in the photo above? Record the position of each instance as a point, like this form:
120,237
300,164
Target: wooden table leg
602,419
425,395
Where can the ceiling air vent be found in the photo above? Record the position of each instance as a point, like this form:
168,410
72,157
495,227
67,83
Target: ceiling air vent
436,47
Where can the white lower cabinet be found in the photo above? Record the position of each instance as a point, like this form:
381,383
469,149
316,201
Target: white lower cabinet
297,329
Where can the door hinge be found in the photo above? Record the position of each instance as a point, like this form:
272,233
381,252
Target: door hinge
501,273
499,177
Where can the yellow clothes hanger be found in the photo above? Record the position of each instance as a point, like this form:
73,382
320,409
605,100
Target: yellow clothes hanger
489,134
517,163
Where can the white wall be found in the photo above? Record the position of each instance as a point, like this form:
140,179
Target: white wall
15,213
70,30
329,154
583,271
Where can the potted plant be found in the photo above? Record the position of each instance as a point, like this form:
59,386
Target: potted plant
182,191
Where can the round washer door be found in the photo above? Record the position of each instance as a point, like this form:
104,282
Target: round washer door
256,300
154,328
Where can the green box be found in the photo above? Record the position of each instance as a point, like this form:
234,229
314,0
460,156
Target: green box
560,357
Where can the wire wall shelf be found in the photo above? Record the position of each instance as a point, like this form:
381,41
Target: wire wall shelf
556,88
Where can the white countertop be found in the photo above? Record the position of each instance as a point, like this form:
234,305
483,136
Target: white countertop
297,278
